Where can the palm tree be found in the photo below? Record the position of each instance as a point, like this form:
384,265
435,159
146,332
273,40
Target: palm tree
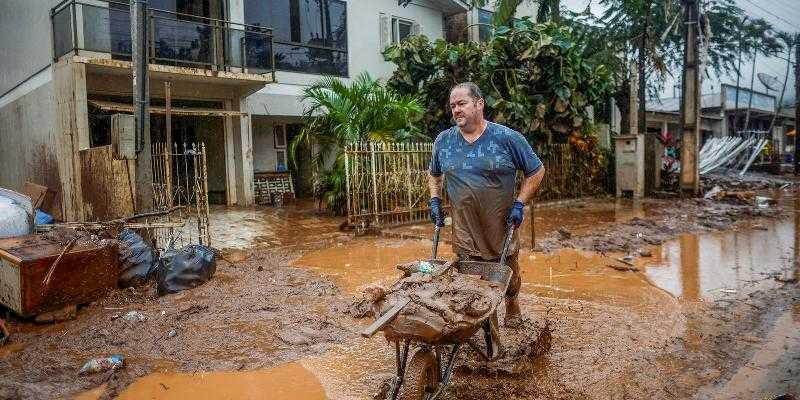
339,114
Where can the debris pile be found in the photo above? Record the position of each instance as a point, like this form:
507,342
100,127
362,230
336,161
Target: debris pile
444,305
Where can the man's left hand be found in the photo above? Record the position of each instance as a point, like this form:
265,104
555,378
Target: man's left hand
517,213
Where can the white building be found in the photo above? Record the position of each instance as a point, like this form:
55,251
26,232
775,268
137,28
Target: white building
237,69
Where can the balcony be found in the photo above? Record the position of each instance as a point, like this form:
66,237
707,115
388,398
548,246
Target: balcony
101,29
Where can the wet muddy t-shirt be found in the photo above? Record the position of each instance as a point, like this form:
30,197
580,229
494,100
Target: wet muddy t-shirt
480,179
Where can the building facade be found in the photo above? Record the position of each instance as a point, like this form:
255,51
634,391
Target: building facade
236,70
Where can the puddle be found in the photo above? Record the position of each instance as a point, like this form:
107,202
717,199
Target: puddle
265,227
288,381
711,265
576,274
357,264
341,373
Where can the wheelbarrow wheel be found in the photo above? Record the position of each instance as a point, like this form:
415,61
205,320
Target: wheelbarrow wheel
421,377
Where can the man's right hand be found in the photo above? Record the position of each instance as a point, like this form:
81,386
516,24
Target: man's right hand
437,214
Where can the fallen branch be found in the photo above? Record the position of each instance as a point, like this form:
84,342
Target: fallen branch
49,276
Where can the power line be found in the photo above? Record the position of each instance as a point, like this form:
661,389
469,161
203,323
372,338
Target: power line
771,13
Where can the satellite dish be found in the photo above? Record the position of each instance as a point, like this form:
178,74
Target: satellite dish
769,81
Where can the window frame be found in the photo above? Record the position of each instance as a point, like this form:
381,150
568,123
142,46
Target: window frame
282,129
280,43
395,28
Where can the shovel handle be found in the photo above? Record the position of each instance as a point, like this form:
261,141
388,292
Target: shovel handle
435,245
507,243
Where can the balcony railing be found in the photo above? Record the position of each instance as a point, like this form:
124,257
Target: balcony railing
173,38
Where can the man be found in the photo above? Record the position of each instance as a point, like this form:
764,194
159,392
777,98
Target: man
480,160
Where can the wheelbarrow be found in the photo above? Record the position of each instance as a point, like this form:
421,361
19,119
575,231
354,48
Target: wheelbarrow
425,376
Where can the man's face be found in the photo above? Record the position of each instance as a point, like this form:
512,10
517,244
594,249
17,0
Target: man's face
465,109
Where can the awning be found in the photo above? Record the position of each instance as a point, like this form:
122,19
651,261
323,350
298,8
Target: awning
189,111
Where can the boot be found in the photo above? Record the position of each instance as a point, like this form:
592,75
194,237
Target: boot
513,313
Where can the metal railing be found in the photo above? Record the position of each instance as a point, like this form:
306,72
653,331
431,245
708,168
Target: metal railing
103,26
387,185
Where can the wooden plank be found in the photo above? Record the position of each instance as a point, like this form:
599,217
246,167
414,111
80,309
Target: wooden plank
385,318
37,193
107,184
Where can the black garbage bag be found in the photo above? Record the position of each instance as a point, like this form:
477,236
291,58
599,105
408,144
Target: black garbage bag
138,260
186,268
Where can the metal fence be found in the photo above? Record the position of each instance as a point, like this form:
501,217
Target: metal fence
180,182
387,182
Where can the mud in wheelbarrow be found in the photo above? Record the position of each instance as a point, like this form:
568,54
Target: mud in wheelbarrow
437,328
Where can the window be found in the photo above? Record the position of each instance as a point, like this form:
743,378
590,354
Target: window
279,132
310,35
485,30
280,161
401,29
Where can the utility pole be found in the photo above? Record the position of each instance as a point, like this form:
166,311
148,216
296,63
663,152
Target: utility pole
642,77
690,102
750,101
797,104
783,89
738,75
141,106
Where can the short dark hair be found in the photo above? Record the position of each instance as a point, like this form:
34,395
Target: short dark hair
472,89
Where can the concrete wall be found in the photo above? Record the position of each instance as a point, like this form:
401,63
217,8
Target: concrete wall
24,39
26,138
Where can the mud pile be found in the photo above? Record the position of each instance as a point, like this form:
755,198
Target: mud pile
441,306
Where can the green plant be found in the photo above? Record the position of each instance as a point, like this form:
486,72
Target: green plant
535,78
339,114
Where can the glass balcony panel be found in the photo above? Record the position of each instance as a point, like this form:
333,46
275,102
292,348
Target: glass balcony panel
310,60
62,31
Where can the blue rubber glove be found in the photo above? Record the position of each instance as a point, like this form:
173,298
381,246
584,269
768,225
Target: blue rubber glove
516,214
437,214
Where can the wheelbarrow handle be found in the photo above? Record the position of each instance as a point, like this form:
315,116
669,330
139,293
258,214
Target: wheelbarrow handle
435,246
384,319
507,243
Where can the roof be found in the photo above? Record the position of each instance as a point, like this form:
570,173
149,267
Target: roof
673,104
128,108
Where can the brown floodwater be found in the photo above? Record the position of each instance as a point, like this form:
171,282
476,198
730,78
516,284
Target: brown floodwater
359,263
688,268
713,265
288,381
267,227
578,217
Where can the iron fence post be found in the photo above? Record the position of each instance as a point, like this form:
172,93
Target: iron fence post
373,159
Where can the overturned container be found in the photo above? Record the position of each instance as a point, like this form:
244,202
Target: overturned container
85,271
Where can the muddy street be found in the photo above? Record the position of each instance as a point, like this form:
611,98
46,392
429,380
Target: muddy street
649,299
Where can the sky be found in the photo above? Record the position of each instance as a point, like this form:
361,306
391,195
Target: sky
782,14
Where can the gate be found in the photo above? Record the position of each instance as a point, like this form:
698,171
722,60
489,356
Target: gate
180,183
387,183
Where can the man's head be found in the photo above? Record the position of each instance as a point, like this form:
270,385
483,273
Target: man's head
466,104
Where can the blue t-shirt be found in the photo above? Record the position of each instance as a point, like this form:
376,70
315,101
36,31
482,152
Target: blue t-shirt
480,180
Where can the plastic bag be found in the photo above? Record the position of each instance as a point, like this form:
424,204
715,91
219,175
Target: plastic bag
42,218
137,259
186,268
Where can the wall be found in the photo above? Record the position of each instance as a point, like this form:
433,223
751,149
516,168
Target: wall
264,151
26,143
24,38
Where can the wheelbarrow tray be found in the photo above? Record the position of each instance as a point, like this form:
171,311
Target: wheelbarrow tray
418,323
